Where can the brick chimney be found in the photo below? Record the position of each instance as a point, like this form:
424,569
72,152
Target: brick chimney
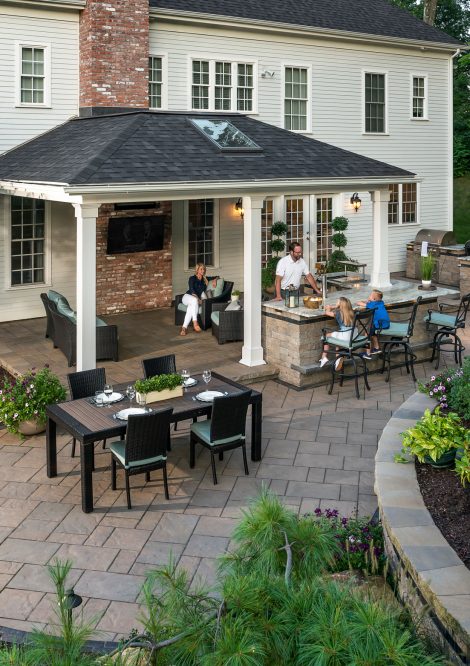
114,52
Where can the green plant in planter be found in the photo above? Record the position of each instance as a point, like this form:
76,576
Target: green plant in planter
427,267
339,241
434,436
462,463
27,397
235,292
277,245
459,394
158,383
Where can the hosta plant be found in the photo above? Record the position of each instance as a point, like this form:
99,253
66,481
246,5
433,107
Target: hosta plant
434,435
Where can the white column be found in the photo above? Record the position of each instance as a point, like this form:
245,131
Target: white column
86,285
380,275
252,351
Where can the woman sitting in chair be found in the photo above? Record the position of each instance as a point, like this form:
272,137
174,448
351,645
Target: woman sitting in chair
197,287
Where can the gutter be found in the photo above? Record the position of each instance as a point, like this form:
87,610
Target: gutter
51,4
258,25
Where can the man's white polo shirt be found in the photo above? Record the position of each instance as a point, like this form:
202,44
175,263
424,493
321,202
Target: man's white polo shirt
291,271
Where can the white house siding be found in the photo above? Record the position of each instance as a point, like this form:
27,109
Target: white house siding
230,243
24,302
60,30
337,72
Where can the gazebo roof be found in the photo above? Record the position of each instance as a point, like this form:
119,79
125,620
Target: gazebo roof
145,147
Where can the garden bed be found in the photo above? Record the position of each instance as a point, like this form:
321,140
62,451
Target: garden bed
449,505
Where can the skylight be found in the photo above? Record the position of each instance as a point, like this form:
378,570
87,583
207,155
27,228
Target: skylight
225,135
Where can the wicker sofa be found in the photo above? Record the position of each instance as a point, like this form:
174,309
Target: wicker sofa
205,309
227,325
62,330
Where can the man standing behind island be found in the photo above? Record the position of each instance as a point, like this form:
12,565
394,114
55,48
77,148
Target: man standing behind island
290,270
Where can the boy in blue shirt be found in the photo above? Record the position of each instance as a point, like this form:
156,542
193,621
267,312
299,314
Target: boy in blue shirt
381,319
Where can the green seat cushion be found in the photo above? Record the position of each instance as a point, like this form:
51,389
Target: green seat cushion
441,319
118,447
203,430
182,307
396,330
64,308
54,296
100,322
218,289
358,342
215,317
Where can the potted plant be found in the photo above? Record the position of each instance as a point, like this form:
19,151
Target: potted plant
23,401
427,269
235,295
339,241
160,387
277,246
435,438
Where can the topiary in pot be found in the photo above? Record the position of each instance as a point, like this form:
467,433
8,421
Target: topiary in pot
338,240
277,245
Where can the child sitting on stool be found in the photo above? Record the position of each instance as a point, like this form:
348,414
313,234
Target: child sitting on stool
380,321
344,314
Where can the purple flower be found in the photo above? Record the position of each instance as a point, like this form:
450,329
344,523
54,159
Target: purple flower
435,389
433,378
344,521
430,393
318,511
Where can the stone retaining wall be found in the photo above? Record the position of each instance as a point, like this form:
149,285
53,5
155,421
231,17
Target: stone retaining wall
432,580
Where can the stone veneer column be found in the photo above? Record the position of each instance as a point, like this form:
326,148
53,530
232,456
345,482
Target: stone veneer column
114,52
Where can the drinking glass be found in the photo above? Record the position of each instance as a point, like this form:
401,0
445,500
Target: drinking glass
207,376
142,400
130,392
108,391
185,374
99,398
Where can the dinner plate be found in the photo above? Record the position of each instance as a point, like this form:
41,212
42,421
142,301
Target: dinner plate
114,397
125,413
190,382
208,396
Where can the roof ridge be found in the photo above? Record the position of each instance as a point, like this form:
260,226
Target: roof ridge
86,172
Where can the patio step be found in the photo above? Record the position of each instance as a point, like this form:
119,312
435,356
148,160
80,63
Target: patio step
245,375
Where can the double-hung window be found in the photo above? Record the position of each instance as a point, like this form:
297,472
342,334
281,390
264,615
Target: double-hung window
33,75
375,99
157,82
222,85
419,102
27,241
201,232
403,204
296,98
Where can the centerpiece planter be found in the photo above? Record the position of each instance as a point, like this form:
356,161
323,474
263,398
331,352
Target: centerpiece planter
165,394
31,427
160,387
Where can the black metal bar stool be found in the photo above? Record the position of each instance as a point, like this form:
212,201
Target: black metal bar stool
446,339
400,333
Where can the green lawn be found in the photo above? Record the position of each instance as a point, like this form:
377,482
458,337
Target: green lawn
462,208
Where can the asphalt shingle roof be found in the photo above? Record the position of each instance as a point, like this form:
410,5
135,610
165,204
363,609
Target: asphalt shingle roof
162,147
371,17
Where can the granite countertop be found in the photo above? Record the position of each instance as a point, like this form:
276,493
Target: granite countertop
400,292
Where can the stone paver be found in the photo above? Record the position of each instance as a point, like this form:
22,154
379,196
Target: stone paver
318,451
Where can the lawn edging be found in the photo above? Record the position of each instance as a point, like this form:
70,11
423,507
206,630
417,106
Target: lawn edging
432,581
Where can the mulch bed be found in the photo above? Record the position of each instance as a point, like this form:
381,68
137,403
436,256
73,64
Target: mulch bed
449,505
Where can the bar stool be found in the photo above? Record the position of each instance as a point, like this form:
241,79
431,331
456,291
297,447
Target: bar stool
400,333
446,339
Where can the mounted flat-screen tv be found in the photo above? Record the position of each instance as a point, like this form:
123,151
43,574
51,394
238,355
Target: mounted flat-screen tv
135,234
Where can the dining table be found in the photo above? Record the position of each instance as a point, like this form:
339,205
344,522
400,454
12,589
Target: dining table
88,423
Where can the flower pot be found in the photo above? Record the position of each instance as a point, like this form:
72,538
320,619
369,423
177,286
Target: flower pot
446,460
235,298
166,394
31,427
426,284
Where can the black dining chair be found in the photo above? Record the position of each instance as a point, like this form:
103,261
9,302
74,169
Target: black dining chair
159,365
398,339
144,448
84,384
446,337
225,430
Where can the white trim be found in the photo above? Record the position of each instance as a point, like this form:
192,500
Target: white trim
47,249
284,65
19,46
234,62
424,76
450,143
164,84
216,264
384,73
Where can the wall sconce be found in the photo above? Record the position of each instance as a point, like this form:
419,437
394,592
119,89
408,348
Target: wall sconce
267,73
239,208
355,201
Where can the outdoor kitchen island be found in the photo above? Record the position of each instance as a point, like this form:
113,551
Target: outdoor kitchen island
291,336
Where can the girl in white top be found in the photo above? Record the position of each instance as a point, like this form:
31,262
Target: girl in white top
344,314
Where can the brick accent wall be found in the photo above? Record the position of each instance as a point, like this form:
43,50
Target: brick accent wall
114,51
134,281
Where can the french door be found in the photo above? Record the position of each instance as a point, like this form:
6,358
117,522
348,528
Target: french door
308,220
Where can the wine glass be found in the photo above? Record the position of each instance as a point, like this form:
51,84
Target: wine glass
185,374
130,392
207,376
108,391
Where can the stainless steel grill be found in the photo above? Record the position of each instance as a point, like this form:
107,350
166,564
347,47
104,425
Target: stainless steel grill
439,237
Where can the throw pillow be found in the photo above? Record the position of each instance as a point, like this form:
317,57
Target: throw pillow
219,288
64,308
54,296
234,305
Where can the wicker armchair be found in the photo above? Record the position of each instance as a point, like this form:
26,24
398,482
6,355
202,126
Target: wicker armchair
144,448
227,326
84,384
204,317
65,338
48,307
159,365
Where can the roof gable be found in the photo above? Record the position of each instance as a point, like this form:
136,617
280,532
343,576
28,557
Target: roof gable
371,17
